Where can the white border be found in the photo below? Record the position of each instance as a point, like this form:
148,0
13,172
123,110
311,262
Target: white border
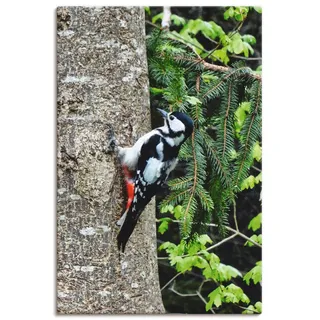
290,165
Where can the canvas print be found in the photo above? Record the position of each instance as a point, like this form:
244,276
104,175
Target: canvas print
159,160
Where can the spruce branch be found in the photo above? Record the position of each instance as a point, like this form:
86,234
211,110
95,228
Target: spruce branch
185,220
246,145
226,119
224,78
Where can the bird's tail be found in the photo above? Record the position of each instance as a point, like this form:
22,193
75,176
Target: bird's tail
126,231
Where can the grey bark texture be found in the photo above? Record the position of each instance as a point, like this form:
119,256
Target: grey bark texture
102,82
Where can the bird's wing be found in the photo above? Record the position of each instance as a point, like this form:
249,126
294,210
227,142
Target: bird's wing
150,175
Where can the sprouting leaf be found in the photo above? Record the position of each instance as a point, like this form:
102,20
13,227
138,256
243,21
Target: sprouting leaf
156,90
257,151
258,9
258,306
178,21
249,310
241,114
168,246
228,13
255,223
255,274
147,10
255,238
221,54
163,227
236,45
248,183
241,13
230,272
157,17
166,208
215,298
247,47
185,264
177,212
207,78
258,178
204,239
249,39
193,100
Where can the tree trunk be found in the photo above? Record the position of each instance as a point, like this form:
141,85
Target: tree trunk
102,81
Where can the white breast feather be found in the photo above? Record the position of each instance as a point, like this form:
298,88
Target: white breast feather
131,155
152,170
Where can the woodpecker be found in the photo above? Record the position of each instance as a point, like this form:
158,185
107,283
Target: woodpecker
147,165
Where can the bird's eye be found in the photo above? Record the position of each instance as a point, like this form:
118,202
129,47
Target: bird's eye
171,117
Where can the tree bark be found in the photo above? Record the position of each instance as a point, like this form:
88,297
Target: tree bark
102,82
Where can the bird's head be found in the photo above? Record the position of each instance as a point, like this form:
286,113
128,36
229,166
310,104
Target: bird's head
177,123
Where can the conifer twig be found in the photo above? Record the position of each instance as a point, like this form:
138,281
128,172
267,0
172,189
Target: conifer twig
194,180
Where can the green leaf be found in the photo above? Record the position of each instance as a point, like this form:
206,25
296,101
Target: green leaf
258,306
215,298
232,272
147,10
258,178
163,227
255,274
188,40
156,91
248,183
185,264
241,114
207,78
221,54
236,44
250,310
228,13
168,246
157,17
177,212
193,100
247,47
204,239
178,21
166,208
255,223
258,9
249,39
241,13
245,298
200,262
257,152
256,238
194,248
245,50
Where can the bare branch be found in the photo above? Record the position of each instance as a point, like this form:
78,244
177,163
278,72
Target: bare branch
238,233
244,58
221,242
181,294
178,274
165,24
235,215
255,168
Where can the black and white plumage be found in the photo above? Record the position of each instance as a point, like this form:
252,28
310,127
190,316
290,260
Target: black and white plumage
151,159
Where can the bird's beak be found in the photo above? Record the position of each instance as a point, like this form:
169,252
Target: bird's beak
163,113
